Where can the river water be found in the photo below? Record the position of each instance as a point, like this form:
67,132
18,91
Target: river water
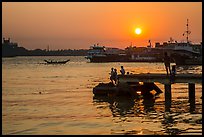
41,99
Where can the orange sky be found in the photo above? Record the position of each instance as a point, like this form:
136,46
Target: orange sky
76,25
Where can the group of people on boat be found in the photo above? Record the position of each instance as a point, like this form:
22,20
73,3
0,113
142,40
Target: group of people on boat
114,75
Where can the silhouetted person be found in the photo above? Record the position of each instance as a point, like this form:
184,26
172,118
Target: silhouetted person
112,75
173,73
167,63
122,71
115,76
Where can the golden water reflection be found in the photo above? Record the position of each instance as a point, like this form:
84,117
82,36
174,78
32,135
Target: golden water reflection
148,116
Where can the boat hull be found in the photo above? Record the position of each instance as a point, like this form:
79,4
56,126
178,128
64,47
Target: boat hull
110,58
120,58
181,60
56,62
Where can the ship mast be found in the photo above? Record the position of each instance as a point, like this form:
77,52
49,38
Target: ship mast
187,32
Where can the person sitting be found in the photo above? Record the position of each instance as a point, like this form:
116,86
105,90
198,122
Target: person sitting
122,71
173,71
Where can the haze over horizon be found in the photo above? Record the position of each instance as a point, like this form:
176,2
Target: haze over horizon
78,25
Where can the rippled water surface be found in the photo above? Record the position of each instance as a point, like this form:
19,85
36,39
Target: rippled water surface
57,99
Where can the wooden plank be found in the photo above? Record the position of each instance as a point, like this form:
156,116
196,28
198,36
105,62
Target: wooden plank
161,78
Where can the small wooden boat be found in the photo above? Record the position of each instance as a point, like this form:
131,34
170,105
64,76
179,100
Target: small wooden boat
56,62
104,89
126,89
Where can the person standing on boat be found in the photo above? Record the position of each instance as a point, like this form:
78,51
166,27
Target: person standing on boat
122,71
167,61
115,75
112,75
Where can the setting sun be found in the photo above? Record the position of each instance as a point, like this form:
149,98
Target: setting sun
138,31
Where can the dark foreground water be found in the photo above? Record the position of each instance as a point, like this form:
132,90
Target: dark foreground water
67,105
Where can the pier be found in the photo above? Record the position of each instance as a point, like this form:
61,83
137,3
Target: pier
191,79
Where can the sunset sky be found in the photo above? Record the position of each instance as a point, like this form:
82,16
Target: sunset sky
78,25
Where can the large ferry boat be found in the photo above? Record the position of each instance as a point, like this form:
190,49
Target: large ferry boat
186,53
98,53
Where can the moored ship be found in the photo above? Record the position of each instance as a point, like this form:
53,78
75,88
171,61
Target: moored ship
98,53
181,53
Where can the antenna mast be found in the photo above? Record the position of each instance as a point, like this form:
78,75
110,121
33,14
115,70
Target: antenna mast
48,48
187,32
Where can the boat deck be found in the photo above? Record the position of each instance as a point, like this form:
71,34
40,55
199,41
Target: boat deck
161,78
191,79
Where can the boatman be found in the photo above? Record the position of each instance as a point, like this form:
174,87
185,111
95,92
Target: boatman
167,63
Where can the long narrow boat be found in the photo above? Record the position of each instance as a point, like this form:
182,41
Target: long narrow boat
56,62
